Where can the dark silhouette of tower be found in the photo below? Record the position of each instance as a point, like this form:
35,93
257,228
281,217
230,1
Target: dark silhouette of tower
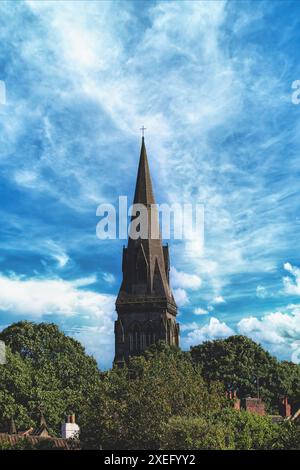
145,304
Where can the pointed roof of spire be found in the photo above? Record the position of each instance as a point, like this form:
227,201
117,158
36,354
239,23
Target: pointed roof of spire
143,189
145,260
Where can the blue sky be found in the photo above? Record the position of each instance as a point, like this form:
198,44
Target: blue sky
211,82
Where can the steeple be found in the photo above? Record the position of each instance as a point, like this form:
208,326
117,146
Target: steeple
145,304
143,189
145,260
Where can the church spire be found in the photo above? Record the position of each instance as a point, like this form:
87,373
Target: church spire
145,261
145,304
143,189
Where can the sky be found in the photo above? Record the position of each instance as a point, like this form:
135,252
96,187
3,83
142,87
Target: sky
212,83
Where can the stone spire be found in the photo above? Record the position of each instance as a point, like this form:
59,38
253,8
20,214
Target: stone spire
145,304
143,189
146,260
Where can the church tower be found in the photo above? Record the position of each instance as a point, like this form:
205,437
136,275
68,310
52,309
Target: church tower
145,304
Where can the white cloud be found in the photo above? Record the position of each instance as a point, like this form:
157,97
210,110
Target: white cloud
35,298
181,297
70,302
200,311
288,267
195,88
295,356
215,329
219,299
184,280
188,326
279,331
291,284
261,330
191,90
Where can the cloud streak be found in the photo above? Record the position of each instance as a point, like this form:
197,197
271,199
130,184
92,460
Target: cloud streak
211,82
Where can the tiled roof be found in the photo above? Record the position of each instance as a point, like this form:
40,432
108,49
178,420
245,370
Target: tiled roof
59,443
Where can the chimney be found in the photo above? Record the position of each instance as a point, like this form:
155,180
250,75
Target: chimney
285,408
12,426
254,405
236,401
69,429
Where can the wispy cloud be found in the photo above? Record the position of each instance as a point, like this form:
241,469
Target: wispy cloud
57,252
211,82
109,278
200,311
261,292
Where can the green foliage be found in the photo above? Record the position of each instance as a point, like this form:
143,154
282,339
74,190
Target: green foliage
288,380
183,433
288,436
137,401
229,429
250,430
237,361
44,366
165,399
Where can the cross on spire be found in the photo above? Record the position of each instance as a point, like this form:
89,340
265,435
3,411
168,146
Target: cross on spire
143,129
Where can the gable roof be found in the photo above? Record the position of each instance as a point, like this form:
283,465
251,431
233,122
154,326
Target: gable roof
58,443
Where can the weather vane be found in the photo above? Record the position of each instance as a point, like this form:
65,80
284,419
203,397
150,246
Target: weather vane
143,130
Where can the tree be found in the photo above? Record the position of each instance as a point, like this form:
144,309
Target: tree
164,399
44,366
250,430
137,401
288,381
184,433
242,365
288,436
